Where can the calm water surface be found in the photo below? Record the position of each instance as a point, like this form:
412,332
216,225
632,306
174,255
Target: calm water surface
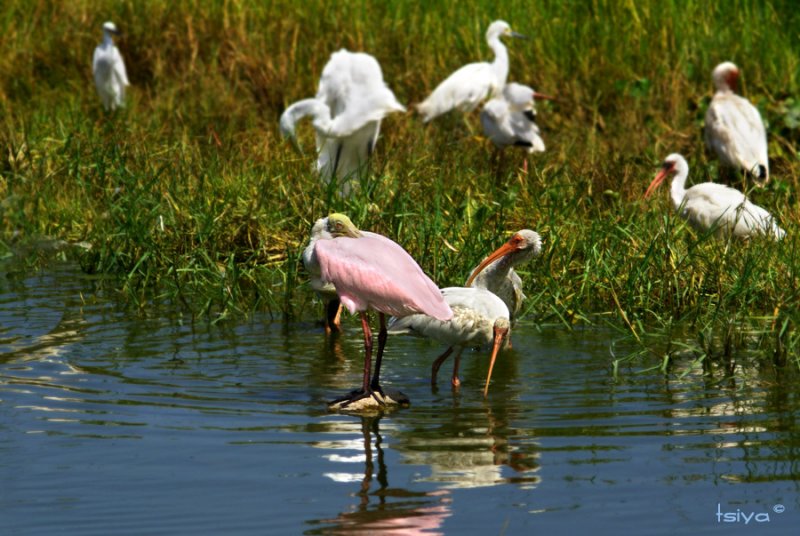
112,423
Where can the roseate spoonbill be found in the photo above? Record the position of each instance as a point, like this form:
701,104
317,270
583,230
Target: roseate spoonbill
370,271
509,119
496,272
351,101
325,289
734,129
470,85
108,69
714,206
479,317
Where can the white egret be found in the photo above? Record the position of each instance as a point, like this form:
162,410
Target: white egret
479,317
470,85
108,68
351,101
734,129
715,206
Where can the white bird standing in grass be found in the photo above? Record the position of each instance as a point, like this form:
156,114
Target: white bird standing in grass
351,101
473,83
734,129
108,68
510,119
712,206
479,318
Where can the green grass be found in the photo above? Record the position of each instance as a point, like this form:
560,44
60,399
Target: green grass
190,195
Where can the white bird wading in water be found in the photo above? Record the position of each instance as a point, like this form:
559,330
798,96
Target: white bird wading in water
479,317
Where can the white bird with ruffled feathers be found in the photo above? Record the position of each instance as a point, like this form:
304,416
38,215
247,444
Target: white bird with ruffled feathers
108,68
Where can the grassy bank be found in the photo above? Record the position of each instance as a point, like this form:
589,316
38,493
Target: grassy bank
190,195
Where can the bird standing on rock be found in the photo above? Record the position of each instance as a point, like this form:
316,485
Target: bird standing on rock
372,272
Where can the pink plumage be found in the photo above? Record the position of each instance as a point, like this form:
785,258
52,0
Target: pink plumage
373,272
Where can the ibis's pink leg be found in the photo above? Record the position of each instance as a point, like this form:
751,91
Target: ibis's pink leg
438,363
333,314
454,381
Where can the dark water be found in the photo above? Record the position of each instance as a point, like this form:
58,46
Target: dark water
112,423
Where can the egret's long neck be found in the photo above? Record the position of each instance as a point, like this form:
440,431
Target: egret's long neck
500,63
108,41
677,190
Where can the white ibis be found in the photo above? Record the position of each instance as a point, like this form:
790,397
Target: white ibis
496,272
510,118
479,317
734,129
712,206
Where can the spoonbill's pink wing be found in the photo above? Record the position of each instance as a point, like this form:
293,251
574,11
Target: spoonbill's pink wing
373,272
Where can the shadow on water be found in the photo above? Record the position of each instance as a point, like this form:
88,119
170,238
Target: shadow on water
150,423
